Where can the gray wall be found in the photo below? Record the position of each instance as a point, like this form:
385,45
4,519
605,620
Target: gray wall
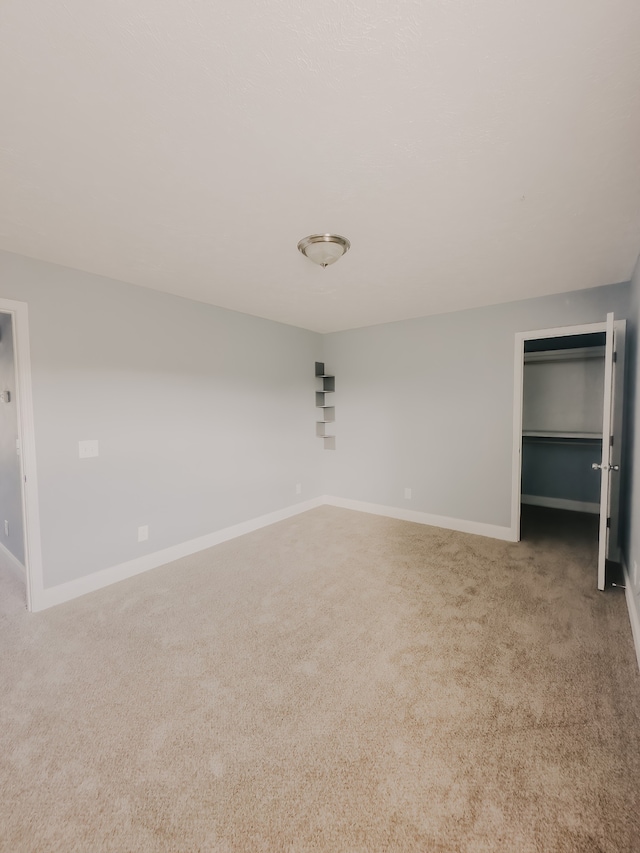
10,491
205,417
561,470
428,404
632,468
563,396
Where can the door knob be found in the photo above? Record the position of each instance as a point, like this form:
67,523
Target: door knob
596,466
615,467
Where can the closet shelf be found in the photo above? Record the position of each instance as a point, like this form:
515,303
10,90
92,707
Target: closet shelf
576,353
542,433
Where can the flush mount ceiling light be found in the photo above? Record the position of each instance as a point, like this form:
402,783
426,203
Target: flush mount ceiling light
324,249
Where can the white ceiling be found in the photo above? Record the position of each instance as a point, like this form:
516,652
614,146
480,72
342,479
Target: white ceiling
472,152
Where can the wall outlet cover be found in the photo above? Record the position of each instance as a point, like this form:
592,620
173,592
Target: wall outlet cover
298,488
407,494
143,533
88,448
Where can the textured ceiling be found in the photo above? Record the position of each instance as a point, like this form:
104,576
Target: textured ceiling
472,152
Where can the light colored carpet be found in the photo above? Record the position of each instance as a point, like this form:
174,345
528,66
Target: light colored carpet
336,682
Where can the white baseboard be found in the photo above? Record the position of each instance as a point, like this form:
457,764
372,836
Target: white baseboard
494,531
12,562
51,596
98,580
633,605
561,503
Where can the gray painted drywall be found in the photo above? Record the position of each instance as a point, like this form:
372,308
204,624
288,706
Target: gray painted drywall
554,470
10,491
632,467
205,417
562,396
428,404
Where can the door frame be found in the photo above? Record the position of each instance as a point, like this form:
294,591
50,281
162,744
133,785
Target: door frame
34,583
518,397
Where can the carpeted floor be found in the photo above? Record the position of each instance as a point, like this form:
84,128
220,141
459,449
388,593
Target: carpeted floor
335,682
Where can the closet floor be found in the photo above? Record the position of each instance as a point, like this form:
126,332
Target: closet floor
544,525
577,531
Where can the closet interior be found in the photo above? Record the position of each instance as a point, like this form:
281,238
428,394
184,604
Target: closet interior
563,401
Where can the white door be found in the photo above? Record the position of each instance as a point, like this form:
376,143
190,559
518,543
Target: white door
617,412
605,464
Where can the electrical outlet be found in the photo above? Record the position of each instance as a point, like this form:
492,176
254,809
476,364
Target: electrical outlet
143,533
6,527
298,488
407,494
87,449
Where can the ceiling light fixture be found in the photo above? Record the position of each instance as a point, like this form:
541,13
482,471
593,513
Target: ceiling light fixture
324,249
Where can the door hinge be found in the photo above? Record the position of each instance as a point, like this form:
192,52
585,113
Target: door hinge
615,357
610,441
609,522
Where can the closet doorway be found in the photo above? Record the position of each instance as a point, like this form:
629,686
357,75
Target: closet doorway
567,434
23,553
12,527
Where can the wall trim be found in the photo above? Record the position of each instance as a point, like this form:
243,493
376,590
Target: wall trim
51,596
633,605
478,528
12,563
561,503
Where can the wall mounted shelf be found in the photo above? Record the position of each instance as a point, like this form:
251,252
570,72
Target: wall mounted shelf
325,385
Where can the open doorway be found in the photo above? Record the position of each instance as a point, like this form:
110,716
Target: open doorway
20,549
567,442
12,525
